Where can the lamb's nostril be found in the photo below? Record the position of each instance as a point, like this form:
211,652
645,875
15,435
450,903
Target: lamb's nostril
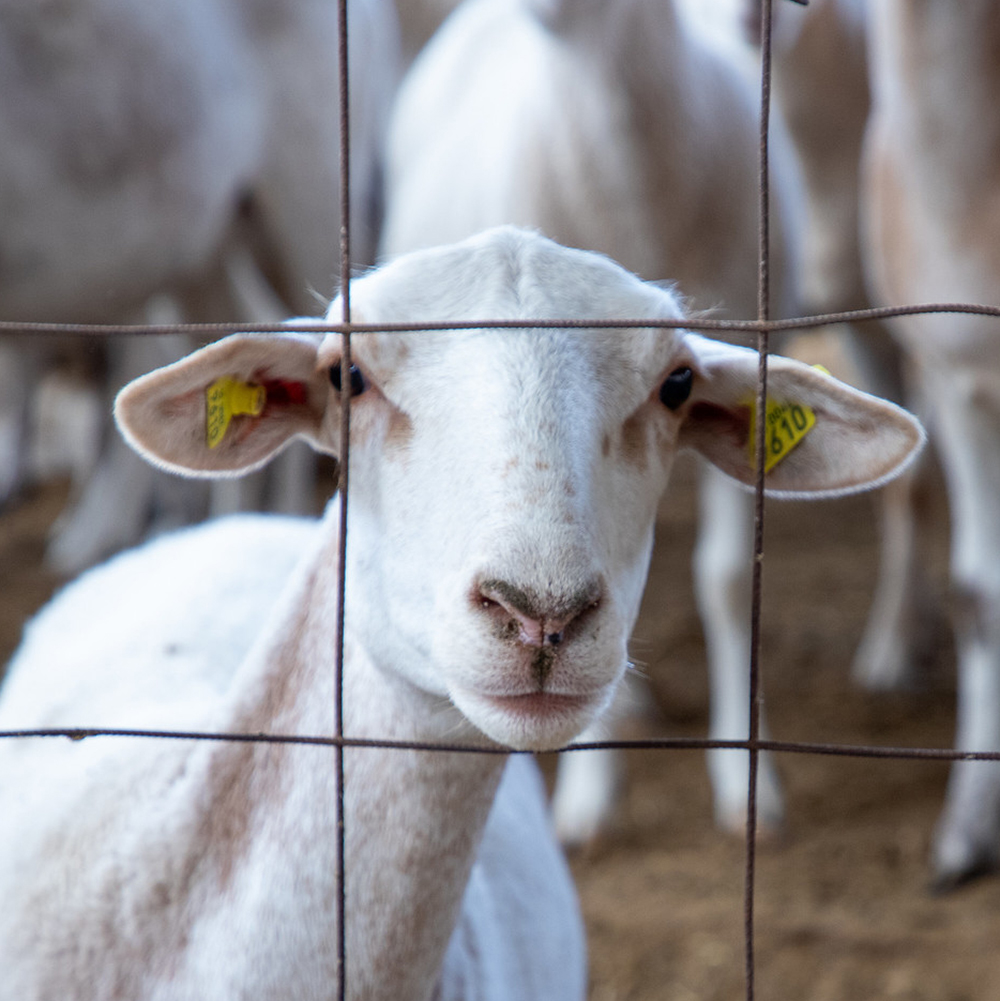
533,620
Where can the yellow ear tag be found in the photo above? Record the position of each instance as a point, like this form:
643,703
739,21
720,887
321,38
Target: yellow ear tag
786,425
226,398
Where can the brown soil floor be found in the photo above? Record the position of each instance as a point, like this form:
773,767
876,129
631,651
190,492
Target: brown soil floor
842,906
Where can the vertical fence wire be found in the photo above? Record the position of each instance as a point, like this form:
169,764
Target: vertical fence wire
763,315
343,111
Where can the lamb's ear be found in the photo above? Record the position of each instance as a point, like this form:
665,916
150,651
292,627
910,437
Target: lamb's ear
823,438
228,408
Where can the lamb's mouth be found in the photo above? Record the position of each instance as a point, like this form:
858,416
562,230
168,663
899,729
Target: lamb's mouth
538,703
536,720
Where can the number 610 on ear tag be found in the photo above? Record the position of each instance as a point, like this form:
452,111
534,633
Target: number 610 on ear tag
786,424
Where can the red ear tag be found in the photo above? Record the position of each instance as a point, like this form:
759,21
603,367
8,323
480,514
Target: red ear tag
285,392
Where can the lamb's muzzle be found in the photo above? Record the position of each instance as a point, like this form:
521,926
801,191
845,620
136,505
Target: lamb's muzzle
539,621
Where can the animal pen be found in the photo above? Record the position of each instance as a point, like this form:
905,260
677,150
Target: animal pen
656,751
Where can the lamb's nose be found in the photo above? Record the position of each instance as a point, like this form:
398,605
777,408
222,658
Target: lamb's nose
540,620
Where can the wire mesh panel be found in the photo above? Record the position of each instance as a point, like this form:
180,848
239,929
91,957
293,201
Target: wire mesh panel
762,326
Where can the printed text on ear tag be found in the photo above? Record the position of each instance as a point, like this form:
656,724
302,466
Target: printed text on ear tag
226,398
786,425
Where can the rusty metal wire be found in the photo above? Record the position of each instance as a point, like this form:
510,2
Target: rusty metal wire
875,751
704,323
343,480
757,576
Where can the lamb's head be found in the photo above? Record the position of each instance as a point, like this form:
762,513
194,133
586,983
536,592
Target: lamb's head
504,483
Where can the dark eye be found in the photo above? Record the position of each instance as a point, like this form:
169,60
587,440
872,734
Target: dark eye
676,388
357,379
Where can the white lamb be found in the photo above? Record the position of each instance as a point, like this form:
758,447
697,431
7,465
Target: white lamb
932,197
820,81
610,126
503,494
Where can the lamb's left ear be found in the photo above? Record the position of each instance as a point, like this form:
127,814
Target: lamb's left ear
228,408
822,438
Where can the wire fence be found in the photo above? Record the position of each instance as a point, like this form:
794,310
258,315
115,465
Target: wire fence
763,326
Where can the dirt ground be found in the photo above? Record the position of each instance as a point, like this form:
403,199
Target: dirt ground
842,906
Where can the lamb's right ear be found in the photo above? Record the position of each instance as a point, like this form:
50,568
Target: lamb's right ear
228,408
823,438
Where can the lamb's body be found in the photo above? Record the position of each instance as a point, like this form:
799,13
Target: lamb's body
495,565
615,129
193,604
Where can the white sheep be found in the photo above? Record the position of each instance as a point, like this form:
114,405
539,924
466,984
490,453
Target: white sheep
931,195
611,126
146,145
820,85
504,486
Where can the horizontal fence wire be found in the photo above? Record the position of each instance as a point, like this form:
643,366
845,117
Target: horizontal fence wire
698,323
78,733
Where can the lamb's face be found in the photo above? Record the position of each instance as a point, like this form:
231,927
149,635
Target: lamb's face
503,492
503,495
503,484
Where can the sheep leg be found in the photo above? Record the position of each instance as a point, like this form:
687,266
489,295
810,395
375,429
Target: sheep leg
588,783
895,635
884,658
587,787
967,840
723,575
